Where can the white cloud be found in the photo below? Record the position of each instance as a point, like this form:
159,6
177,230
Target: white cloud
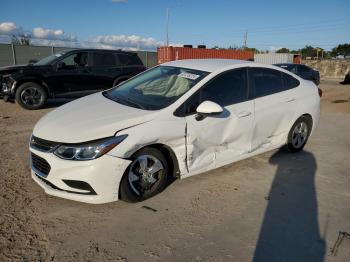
57,37
10,28
52,34
119,1
130,42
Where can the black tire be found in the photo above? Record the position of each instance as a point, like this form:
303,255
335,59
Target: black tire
127,188
297,138
31,96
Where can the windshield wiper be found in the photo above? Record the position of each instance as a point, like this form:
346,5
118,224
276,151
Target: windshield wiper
131,102
124,101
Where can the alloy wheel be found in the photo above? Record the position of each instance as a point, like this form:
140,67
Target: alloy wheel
144,174
300,134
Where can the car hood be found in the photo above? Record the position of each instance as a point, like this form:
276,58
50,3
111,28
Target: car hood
89,118
5,69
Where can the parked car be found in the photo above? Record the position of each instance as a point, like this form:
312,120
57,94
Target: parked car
303,71
69,74
178,119
347,78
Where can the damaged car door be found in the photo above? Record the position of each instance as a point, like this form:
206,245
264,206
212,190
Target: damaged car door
275,103
214,140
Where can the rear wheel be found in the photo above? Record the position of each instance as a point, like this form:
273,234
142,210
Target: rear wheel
31,96
145,177
299,134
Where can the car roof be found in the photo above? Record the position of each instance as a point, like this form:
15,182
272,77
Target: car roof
101,50
208,65
285,64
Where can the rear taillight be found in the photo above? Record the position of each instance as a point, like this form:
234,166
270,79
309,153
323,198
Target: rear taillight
319,91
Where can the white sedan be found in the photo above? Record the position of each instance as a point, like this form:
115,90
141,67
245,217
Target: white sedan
178,119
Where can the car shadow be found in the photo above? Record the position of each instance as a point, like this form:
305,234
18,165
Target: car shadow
290,230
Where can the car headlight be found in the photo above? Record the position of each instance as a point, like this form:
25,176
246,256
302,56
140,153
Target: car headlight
89,150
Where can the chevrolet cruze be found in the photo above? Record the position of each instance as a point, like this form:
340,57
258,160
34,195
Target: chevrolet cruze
178,119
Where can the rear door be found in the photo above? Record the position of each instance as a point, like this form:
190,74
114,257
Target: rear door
105,69
131,63
219,139
274,106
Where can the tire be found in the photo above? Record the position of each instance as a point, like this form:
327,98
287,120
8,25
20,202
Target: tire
31,96
137,185
299,134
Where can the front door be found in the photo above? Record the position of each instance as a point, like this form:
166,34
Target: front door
72,76
218,140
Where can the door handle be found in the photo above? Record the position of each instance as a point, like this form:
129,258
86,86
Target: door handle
290,99
244,114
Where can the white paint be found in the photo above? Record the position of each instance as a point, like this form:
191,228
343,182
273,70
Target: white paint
241,130
209,107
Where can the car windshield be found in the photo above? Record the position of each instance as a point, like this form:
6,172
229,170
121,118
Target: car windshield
156,88
49,59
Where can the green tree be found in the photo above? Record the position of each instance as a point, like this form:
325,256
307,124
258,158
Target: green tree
343,49
283,50
308,51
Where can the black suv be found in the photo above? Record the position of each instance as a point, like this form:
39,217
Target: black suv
303,71
68,74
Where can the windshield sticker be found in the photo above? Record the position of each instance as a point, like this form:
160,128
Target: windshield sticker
188,76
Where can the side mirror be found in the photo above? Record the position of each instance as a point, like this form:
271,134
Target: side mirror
60,65
208,108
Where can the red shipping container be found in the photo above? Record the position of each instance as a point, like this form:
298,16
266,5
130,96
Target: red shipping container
297,59
170,53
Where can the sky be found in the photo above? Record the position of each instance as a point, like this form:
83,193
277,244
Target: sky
141,24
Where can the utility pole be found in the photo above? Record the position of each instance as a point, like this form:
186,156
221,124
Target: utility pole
167,27
245,39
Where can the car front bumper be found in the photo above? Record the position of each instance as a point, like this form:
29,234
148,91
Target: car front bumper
7,88
93,181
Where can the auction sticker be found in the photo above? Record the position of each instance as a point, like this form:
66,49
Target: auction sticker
188,76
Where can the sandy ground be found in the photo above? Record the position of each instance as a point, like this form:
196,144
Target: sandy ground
273,207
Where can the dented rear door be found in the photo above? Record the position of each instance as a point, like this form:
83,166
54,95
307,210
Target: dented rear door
275,106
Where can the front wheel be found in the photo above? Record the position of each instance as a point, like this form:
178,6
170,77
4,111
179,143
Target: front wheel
31,96
145,177
299,134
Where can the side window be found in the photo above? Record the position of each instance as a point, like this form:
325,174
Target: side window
289,81
266,81
192,103
135,60
126,59
303,69
227,89
104,59
293,69
75,60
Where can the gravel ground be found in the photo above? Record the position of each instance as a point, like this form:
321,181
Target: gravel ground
273,207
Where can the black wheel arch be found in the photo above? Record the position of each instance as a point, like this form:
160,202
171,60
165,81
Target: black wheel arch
34,80
169,155
310,118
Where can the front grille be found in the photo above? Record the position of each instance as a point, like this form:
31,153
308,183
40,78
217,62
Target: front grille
40,164
42,145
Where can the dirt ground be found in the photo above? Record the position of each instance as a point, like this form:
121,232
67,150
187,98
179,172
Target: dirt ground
273,207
